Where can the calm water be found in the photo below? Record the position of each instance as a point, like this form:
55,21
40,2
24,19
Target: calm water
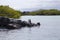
49,29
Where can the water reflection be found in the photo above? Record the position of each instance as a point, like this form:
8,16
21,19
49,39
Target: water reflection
25,33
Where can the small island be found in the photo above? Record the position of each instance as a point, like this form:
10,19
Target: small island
44,12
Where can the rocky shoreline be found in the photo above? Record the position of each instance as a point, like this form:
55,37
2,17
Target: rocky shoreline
10,23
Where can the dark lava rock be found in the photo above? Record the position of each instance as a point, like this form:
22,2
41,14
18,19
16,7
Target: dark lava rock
15,24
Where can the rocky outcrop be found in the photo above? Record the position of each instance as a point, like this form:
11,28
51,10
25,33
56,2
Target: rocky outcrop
15,24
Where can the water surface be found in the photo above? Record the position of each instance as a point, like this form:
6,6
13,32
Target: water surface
49,29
